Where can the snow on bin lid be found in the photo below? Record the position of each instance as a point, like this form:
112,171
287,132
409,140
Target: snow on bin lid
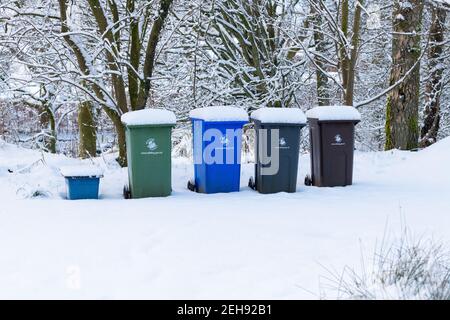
81,171
149,117
337,113
219,114
279,115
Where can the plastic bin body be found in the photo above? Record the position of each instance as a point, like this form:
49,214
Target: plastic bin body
288,147
332,145
217,177
149,160
79,188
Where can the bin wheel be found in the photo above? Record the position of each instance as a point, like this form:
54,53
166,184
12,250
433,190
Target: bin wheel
308,180
251,183
126,192
191,186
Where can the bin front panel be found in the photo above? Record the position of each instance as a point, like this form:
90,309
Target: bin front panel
288,145
82,188
337,153
149,161
332,145
217,165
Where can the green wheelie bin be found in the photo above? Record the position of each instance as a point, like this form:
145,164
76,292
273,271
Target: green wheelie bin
149,146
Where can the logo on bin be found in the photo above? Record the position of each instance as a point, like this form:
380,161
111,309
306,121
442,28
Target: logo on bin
151,144
338,140
282,144
225,143
224,140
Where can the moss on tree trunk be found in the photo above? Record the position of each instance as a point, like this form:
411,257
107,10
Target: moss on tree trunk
402,110
88,135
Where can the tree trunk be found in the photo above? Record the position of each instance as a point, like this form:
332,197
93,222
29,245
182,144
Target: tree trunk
122,160
402,109
433,88
136,96
150,53
120,131
121,141
349,90
48,124
88,136
323,89
343,55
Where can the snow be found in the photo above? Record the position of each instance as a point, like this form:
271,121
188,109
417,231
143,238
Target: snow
219,113
241,245
82,171
329,113
149,117
406,5
442,1
279,115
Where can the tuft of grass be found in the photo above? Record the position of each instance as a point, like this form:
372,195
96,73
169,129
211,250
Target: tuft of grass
40,194
407,269
31,192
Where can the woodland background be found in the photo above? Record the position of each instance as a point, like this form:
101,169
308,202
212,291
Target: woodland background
70,69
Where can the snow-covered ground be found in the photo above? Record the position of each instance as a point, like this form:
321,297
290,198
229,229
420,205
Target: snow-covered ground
239,245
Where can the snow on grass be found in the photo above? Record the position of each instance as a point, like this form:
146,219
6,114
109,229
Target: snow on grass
188,245
401,269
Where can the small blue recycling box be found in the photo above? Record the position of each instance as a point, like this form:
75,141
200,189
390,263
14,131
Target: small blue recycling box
217,135
82,182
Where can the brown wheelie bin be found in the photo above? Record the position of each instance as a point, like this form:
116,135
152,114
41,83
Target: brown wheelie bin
332,137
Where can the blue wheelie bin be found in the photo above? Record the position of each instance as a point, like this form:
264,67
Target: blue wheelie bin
217,135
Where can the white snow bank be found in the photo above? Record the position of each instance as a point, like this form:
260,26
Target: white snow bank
149,117
438,149
82,171
328,113
279,115
219,114
258,246
431,164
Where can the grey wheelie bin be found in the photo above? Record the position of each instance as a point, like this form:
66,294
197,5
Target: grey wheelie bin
332,137
276,149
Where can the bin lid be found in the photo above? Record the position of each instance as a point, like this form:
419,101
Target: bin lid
334,113
219,114
279,115
82,171
149,117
